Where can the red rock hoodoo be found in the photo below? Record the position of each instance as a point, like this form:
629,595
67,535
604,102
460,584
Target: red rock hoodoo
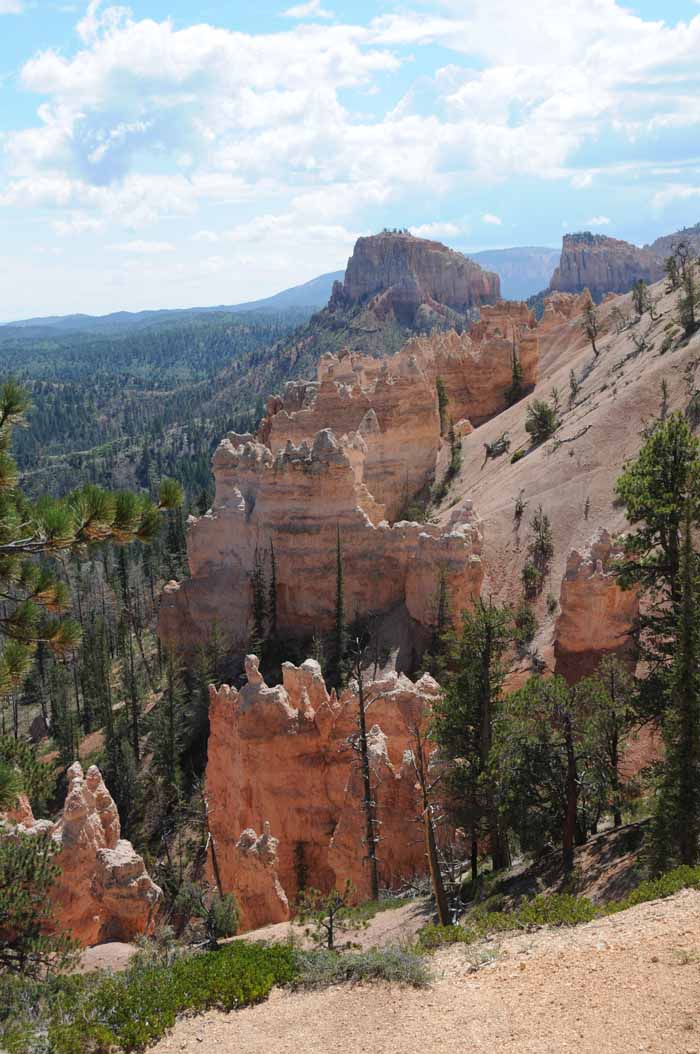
103,892
284,757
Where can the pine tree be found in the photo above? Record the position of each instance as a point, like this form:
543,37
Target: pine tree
272,596
463,724
258,635
516,391
340,634
442,403
36,599
657,490
676,829
27,875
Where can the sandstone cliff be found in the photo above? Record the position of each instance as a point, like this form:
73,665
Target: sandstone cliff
300,501
284,756
597,616
409,278
103,892
603,265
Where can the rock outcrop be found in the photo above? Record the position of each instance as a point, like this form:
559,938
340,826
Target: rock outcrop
476,366
603,265
299,501
391,404
412,280
597,616
103,892
560,308
665,245
284,756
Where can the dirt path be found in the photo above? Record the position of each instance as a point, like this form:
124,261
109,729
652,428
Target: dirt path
627,983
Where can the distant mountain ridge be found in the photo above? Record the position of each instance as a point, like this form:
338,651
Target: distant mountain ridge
312,295
523,270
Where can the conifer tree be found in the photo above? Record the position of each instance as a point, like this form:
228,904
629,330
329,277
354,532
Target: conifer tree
463,724
657,489
340,633
676,829
258,634
31,533
272,596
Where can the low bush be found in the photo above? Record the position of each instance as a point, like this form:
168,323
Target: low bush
127,1012
517,456
321,969
558,909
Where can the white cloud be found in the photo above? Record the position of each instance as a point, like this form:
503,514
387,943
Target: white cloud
679,192
205,236
312,9
489,217
598,221
437,230
11,7
143,248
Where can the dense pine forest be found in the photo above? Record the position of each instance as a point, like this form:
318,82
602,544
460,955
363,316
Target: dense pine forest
124,406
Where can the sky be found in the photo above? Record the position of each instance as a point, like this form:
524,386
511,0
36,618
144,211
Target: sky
173,154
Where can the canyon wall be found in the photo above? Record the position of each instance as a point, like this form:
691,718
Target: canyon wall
596,615
284,757
603,265
299,502
103,892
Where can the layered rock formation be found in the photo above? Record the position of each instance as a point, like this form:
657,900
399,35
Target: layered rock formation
560,308
412,280
300,501
665,245
477,366
103,892
285,756
603,265
597,616
391,404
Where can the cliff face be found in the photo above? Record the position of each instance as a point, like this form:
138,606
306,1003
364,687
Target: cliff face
412,278
103,892
476,366
603,265
298,501
597,616
392,403
284,756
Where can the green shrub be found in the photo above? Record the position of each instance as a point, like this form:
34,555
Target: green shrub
541,421
321,969
656,889
525,622
518,456
127,1012
432,937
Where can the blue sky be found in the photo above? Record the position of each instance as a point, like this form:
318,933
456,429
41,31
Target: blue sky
165,154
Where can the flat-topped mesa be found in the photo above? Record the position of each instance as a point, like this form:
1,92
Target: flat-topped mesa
282,757
297,501
597,616
103,891
412,279
603,265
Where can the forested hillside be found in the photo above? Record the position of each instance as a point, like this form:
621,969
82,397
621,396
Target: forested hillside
125,406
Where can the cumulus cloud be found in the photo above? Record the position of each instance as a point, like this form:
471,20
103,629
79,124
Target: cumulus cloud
598,221
438,229
313,9
11,7
145,120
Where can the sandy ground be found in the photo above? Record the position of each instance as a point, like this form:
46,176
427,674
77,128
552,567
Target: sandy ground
627,983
